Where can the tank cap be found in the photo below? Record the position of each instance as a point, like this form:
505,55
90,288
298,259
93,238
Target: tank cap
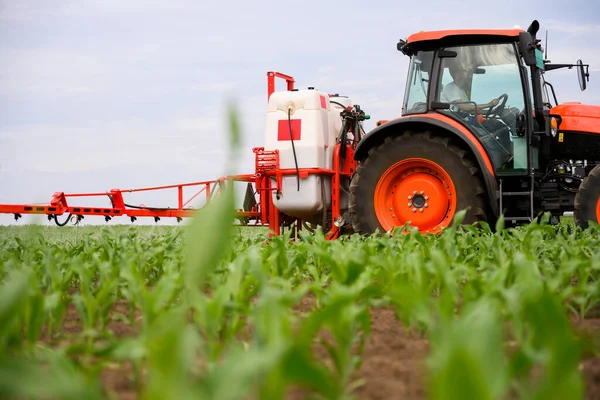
311,88
294,90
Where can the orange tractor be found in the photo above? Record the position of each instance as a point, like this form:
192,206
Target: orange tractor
479,131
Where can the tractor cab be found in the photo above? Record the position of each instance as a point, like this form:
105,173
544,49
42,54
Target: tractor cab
491,82
480,80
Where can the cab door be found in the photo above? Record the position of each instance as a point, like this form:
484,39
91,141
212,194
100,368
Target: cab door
483,85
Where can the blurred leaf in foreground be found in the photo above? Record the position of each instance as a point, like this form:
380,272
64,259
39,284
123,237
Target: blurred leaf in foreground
467,359
210,231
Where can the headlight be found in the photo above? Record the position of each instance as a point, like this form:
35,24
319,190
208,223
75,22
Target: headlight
553,126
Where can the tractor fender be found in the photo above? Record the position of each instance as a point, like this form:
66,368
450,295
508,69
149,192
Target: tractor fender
441,125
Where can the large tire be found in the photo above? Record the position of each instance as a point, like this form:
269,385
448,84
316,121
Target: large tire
396,179
587,200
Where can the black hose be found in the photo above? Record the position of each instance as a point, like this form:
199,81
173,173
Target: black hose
339,104
360,136
342,138
64,223
159,208
324,203
294,149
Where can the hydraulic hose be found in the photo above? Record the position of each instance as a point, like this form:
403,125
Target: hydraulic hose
339,104
63,223
294,149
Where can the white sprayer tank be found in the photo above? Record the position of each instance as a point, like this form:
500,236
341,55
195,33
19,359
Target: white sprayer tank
314,125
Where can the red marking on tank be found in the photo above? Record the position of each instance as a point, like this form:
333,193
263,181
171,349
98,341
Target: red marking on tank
283,131
323,102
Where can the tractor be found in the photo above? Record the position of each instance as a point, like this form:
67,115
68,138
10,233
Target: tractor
480,132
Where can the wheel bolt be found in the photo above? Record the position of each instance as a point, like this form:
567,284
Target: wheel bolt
425,205
410,197
414,192
422,192
409,204
420,210
391,209
414,210
426,197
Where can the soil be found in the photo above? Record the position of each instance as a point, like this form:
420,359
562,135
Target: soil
590,366
393,364
393,361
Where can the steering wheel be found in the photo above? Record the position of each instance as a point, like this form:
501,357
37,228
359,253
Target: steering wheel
495,110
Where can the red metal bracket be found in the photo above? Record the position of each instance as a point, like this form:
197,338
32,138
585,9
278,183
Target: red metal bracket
271,82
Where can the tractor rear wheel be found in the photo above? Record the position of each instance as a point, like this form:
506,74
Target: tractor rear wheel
587,200
419,178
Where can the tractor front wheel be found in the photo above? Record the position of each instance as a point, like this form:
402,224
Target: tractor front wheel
417,178
587,200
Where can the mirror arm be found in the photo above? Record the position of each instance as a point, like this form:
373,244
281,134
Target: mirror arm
550,67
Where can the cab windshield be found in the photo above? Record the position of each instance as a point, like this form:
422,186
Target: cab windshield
417,85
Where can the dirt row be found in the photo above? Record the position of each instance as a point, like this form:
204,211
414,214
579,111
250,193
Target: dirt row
394,360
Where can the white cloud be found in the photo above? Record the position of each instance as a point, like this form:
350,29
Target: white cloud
194,124
211,87
327,69
35,71
572,30
69,148
30,10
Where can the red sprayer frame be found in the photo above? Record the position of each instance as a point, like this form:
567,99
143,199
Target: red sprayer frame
271,82
267,178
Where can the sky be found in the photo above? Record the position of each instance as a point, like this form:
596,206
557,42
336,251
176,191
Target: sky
96,95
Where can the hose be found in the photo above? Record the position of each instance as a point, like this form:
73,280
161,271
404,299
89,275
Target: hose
324,203
64,223
360,136
294,149
339,104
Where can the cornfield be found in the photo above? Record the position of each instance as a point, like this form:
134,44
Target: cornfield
211,311
216,312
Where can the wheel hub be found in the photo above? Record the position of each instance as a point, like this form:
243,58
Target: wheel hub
416,191
418,201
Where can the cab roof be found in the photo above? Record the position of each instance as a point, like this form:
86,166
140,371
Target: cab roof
429,40
436,35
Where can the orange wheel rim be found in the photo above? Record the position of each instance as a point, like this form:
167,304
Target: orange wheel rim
416,191
598,211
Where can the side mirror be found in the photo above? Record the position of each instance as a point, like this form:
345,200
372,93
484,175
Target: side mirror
404,48
583,75
400,45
